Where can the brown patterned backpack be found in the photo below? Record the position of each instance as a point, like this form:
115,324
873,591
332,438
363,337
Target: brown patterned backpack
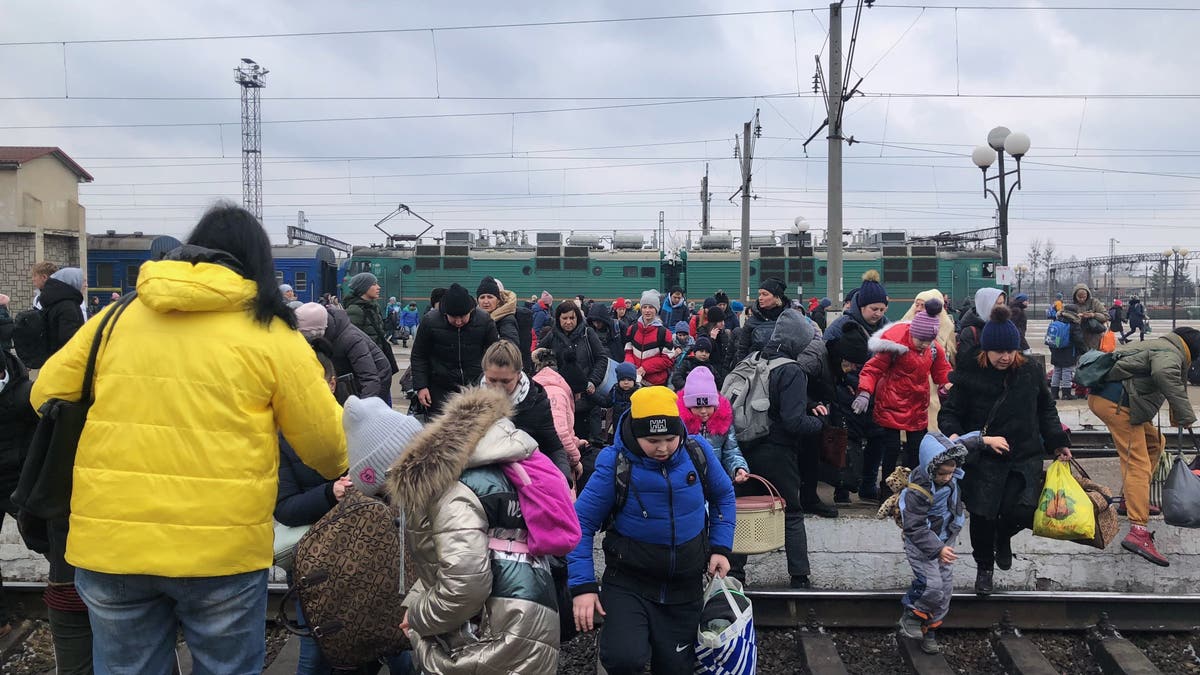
350,580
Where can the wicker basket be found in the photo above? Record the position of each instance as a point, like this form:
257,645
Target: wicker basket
759,526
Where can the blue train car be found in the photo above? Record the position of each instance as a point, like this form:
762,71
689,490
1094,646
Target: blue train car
310,270
114,260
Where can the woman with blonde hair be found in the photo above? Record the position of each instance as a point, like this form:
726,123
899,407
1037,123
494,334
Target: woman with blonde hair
945,342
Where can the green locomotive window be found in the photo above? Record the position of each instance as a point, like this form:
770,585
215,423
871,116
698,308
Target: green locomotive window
454,263
597,271
407,269
527,270
575,263
549,264
649,273
630,271
427,264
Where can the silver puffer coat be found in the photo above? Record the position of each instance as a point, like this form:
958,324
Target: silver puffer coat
473,610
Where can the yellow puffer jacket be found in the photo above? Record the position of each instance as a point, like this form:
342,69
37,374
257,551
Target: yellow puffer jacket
176,473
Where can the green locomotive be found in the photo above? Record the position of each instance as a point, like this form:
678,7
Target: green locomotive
623,264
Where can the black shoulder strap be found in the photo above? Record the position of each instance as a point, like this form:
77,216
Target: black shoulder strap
109,321
699,460
621,476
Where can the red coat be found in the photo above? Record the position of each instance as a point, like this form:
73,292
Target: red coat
897,376
646,347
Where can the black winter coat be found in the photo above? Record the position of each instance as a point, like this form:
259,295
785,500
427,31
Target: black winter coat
608,329
757,331
582,358
533,416
7,325
970,329
355,353
1021,320
60,306
848,338
445,358
304,495
17,424
685,367
1015,404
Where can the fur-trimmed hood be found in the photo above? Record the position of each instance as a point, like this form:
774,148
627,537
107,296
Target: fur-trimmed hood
473,430
719,423
894,339
507,306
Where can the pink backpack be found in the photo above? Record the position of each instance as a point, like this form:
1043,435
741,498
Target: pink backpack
546,505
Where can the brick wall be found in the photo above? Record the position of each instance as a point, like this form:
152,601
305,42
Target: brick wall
17,257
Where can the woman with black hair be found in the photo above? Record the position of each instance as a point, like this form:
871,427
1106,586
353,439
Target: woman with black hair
176,470
582,361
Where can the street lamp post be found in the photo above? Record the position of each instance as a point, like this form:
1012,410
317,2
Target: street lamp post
1000,141
1178,254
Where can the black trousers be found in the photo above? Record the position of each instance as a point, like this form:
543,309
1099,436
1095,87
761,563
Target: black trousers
986,533
896,451
638,632
779,464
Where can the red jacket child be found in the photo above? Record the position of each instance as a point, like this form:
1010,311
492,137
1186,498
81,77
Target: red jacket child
897,377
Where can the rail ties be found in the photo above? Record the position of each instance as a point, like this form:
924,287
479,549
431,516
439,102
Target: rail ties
819,655
1114,654
920,662
1018,655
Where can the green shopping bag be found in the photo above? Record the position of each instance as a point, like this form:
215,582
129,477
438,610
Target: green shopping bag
1064,509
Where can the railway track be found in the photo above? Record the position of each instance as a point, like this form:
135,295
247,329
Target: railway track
1007,617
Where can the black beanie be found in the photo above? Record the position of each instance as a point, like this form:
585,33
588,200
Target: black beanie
773,286
721,297
715,315
457,301
1191,337
488,287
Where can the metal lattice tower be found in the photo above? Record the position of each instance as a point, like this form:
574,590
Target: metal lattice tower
251,77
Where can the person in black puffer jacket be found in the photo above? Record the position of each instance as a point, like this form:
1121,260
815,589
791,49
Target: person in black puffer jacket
1002,394
776,457
582,361
18,421
608,329
60,300
761,324
448,350
352,352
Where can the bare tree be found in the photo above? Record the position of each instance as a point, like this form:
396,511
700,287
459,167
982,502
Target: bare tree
1048,260
1033,259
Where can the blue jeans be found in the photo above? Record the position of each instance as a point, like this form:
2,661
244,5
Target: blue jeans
311,661
135,618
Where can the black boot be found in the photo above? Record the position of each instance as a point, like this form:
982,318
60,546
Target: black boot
1055,393
1004,557
801,581
841,496
983,582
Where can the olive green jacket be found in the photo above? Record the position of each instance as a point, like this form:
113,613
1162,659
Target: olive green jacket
364,314
1152,372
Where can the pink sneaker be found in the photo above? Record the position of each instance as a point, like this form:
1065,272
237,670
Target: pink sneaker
1141,542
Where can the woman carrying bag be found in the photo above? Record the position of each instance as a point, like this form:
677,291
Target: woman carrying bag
1002,394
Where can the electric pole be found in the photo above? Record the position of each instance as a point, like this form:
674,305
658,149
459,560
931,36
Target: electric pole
704,203
750,131
833,238
252,78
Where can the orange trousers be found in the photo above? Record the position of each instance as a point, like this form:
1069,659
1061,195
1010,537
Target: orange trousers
1139,447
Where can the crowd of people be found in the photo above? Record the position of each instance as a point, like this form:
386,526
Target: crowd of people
269,409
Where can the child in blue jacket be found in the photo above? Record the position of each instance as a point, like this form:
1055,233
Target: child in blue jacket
931,509
670,530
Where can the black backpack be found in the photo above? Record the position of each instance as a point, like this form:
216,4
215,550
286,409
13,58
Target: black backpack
31,337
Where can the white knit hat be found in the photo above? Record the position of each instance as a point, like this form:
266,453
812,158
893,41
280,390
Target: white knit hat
376,436
651,298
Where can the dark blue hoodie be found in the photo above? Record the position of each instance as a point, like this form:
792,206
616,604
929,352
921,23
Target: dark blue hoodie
661,540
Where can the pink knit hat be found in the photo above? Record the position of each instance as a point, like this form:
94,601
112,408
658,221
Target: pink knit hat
925,324
312,319
700,388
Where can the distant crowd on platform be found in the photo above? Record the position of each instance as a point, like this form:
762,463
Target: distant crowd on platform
222,404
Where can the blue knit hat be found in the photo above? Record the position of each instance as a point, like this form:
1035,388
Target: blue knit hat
626,371
871,291
999,334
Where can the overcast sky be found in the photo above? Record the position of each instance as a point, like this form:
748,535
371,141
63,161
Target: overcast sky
1109,98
